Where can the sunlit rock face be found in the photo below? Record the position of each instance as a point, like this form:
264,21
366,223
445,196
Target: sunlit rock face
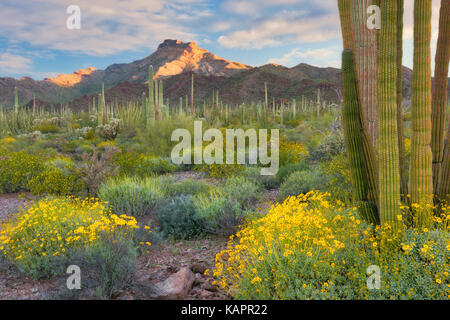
69,80
181,57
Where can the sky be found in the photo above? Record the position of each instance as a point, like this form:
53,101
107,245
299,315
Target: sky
35,40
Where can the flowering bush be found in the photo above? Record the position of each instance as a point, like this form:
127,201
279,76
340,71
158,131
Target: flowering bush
48,230
308,248
291,152
59,177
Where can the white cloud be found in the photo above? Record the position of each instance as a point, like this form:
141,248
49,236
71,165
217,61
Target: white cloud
290,26
12,63
322,57
107,26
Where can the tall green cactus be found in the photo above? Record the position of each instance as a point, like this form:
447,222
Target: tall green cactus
157,106
421,181
365,167
439,95
151,96
443,191
16,100
367,206
401,132
387,145
192,94
365,52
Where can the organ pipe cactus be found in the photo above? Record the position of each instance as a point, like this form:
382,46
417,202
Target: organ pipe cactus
387,145
400,126
367,160
151,97
367,206
421,183
439,96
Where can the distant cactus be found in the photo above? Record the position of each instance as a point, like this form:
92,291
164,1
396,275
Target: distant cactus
16,100
151,97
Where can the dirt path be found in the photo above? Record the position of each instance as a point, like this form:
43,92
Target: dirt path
9,203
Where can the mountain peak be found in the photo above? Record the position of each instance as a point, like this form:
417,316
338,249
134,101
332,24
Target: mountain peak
179,57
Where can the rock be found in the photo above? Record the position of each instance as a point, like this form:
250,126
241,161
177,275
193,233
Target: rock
199,268
176,286
198,279
205,294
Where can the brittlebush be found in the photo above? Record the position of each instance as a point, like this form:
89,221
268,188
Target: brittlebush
308,247
47,230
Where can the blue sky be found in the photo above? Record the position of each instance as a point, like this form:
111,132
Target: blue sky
35,42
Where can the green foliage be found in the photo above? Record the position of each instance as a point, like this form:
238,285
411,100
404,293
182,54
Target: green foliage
132,196
17,169
187,187
253,174
302,182
179,219
108,267
285,171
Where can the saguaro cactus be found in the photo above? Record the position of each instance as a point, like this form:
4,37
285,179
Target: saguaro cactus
439,96
192,94
387,146
421,156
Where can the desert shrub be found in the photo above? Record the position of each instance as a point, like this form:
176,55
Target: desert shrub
95,168
48,128
338,175
110,130
157,137
240,190
331,146
219,215
224,208
58,177
155,166
301,182
132,196
17,169
285,171
179,219
187,187
43,232
253,174
108,266
308,248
